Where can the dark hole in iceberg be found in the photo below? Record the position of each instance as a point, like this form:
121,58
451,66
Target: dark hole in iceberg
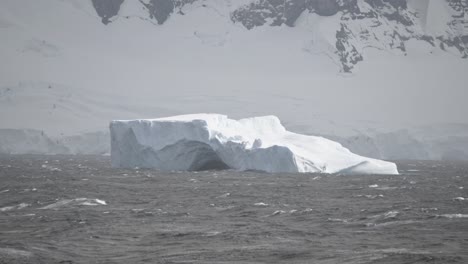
212,165
206,159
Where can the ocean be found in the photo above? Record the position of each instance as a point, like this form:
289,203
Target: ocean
77,209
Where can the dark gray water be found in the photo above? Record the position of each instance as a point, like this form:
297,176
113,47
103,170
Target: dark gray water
75,209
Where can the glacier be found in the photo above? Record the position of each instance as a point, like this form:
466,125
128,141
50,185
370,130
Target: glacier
213,141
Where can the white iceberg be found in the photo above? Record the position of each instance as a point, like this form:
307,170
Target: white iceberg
213,141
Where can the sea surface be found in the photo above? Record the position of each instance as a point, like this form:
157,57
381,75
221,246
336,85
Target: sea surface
76,209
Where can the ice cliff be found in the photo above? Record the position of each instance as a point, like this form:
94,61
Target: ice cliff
208,141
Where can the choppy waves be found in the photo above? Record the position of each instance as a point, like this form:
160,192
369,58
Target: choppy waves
134,216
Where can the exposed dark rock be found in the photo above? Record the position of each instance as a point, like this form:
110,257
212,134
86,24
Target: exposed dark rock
347,52
428,39
349,6
325,7
257,13
459,5
292,10
107,9
397,3
394,3
282,11
465,39
456,42
159,9
398,41
396,16
394,10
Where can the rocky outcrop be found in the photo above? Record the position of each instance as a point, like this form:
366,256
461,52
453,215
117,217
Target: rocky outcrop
161,10
107,9
276,12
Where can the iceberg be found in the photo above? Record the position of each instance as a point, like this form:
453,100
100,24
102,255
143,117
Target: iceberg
212,141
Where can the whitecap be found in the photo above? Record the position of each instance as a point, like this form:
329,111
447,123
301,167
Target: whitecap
260,204
454,215
337,220
89,203
387,215
14,207
92,202
224,195
404,222
50,168
7,208
15,252
278,212
426,210
386,188
22,205
76,201
29,190
212,233
300,212
370,196
460,199
391,214
101,202
57,204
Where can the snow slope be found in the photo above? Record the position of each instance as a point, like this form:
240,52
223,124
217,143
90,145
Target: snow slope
193,142
200,60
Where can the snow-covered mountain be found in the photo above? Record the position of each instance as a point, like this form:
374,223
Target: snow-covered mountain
390,25
347,69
